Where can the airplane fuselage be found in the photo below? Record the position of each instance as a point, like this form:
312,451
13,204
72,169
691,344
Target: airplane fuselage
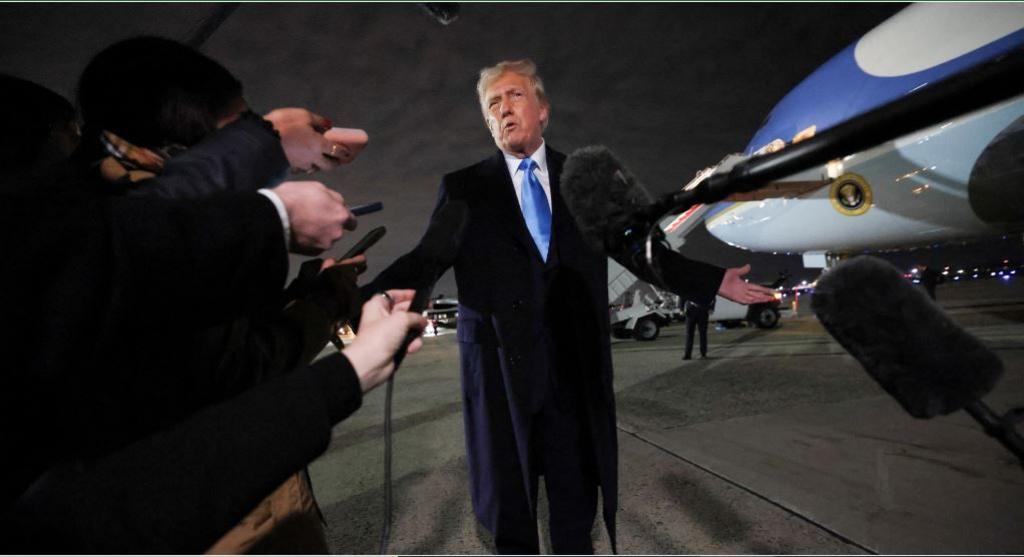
958,180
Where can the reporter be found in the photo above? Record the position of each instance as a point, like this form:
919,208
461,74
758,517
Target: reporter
146,101
146,119
76,309
67,389
177,490
39,126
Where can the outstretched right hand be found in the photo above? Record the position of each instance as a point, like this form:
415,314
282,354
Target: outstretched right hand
382,329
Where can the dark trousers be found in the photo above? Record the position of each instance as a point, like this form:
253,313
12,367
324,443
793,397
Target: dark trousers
563,454
700,322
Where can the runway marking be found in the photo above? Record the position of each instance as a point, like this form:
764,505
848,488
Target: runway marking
751,491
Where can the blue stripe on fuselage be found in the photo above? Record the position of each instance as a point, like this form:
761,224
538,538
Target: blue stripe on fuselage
840,90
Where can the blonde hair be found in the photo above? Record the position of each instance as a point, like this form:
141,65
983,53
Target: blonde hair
524,67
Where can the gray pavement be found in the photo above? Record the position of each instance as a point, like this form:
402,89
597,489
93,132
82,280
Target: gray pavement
778,443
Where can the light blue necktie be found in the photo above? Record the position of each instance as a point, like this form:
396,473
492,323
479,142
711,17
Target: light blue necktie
536,211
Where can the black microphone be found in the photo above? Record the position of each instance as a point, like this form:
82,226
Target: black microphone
909,346
436,252
617,216
606,200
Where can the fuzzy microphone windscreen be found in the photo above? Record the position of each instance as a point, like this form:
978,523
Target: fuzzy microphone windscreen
603,197
928,363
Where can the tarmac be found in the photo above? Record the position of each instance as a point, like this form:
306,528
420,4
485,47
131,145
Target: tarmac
778,443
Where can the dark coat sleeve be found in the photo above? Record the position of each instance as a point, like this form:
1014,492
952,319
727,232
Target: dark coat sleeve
238,353
243,156
411,270
87,277
177,491
690,279
205,259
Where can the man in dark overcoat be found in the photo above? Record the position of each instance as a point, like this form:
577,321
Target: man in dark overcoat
533,330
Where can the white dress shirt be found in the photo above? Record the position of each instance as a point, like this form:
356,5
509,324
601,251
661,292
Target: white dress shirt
282,213
541,158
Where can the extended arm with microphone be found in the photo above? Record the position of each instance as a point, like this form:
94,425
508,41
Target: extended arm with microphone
420,269
436,252
985,84
913,350
617,216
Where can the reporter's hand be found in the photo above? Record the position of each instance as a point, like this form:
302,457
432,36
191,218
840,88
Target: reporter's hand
382,329
302,137
347,143
734,288
358,263
317,215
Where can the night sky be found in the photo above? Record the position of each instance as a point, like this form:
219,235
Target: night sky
670,88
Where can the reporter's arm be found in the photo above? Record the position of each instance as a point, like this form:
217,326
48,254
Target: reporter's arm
179,490
201,259
223,460
243,156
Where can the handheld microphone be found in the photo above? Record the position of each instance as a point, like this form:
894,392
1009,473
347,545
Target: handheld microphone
435,253
606,200
905,342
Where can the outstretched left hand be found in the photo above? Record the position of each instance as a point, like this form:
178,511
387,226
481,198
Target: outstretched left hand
734,288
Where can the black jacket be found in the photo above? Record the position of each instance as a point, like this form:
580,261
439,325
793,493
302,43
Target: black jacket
88,279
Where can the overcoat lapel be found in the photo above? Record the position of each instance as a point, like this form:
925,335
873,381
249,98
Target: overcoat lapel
504,205
561,220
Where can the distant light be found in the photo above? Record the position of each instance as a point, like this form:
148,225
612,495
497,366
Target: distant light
803,282
956,278
975,275
959,271
945,273
1006,277
992,274
913,271
916,281
1013,272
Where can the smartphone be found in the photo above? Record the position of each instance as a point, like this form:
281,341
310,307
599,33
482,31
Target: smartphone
366,209
350,140
364,243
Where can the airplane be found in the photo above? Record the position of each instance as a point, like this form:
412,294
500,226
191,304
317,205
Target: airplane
962,179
